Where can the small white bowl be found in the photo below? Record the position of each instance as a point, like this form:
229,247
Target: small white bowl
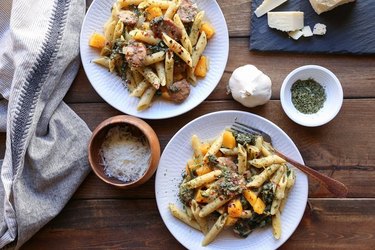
331,85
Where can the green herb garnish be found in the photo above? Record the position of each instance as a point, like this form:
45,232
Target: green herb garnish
308,96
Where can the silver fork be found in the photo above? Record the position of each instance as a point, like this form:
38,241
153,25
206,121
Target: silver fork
335,187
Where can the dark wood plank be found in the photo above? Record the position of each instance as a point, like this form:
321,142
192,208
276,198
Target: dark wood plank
136,224
335,149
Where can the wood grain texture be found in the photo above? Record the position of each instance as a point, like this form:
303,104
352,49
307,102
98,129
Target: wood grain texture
102,217
115,224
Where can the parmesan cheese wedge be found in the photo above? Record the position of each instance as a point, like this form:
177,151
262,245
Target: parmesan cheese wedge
307,31
320,29
321,6
267,5
285,20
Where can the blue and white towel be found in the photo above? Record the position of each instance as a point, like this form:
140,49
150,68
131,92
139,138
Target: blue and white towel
45,159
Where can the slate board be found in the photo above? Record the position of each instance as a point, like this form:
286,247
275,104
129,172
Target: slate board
350,29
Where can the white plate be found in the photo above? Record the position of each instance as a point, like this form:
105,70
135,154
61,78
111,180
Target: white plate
172,165
110,87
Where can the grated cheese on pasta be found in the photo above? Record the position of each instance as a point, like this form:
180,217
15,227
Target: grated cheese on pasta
125,156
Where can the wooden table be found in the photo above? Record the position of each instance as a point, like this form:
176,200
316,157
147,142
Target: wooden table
101,217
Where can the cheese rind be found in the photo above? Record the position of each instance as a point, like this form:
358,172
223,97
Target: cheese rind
267,5
321,6
285,20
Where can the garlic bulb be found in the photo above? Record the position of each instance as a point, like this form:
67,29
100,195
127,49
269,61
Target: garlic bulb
250,86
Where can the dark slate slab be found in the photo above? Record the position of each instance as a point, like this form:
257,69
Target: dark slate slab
350,29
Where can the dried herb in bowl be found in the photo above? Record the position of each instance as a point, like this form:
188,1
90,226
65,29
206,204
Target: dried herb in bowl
308,96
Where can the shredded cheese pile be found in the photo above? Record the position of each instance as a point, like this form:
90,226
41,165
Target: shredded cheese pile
124,155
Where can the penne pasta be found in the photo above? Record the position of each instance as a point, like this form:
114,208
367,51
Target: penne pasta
196,27
160,71
212,206
154,58
150,76
146,98
182,216
140,89
259,179
203,179
178,49
215,230
267,161
243,195
169,66
185,40
202,222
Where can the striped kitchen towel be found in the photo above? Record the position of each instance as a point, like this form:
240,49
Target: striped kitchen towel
45,159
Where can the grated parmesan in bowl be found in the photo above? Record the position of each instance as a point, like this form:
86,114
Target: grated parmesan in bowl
125,156
124,151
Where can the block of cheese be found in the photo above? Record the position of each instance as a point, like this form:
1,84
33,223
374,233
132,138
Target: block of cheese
285,20
307,31
267,5
295,34
321,6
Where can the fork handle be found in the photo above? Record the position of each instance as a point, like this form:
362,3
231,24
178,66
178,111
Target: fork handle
335,187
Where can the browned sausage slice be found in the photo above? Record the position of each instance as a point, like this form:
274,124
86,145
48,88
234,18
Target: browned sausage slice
160,25
128,17
135,54
179,91
187,11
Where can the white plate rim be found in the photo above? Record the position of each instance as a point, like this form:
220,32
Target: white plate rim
162,173
173,110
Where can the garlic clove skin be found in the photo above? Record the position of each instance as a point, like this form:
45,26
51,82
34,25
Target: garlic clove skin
250,86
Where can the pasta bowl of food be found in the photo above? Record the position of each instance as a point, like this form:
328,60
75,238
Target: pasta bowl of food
222,188
154,59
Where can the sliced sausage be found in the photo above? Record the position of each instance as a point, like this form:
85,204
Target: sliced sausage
225,161
128,17
187,11
160,25
135,54
179,91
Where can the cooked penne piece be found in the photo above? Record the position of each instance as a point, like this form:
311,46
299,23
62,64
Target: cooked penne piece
126,3
157,3
252,151
109,29
178,49
267,161
229,152
185,40
203,179
196,27
196,145
118,30
103,61
150,76
169,66
215,230
215,204
276,225
241,159
146,36
140,89
160,71
197,53
183,216
169,13
280,190
277,175
146,98
154,58
130,83
259,179
259,143
202,222
215,147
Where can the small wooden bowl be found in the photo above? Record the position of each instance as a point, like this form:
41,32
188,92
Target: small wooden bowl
98,137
